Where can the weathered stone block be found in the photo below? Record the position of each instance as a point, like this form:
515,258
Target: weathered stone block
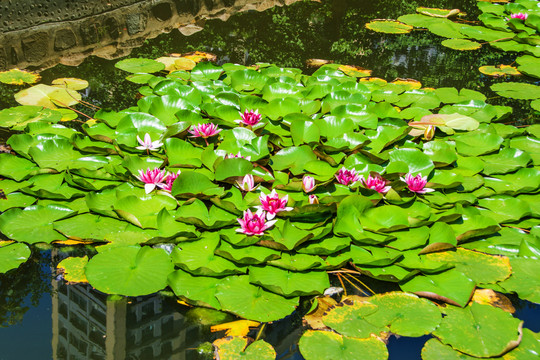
112,28
64,39
136,23
89,33
35,46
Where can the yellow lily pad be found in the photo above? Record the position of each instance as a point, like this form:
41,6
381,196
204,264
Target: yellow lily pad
461,44
374,80
409,83
490,297
47,96
73,268
70,83
18,77
435,12
499,70
355,71
233,348
389,26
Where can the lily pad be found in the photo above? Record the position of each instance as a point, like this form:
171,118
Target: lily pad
461,44
73,268
11,256
129,270
237,347
389,27
18,77
325,345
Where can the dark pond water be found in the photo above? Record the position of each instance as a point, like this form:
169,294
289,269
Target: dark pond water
43,318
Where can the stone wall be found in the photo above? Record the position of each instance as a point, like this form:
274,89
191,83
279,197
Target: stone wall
41,34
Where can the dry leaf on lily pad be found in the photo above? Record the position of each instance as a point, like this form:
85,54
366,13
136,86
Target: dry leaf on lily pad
355,71
199,56
73,268
320,305
234,348
235,328
490,297
408,83
317,62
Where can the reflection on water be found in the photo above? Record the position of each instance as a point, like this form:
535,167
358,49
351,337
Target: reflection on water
88,325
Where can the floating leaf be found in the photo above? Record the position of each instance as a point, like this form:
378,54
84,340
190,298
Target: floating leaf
461,44
129,270
499,70
11,256
237,347
18,77
73,268
140,65
440,13
325,345
389,26
516,90
48,96
479,330
71,83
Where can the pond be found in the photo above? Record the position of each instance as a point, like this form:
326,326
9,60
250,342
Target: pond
71,320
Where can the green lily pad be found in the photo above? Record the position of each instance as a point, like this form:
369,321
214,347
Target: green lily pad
129,270
525,279
516,90
237,347
289,283
237,295
325,345
11,256
479,330
140,65
197,290
33,224
461,44
440,13
389,27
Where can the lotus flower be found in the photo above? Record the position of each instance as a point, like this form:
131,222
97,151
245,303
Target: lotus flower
272,204
520,16
308,183
170,177
376,183
347,177
313,199
250,117
254,224
152,178
247,184
205,131
148,144
416,183
239,155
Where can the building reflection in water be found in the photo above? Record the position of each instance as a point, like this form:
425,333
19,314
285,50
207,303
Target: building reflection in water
86,325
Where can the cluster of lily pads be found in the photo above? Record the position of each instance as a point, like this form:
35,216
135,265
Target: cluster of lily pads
425,188
508,26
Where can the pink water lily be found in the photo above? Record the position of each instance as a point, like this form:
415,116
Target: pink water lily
205,131
308,183
250,117
272,204
247,184
347,177
376,183
313,199
416,183
239,155
169,180
152,178
520,16
147,144
254,224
